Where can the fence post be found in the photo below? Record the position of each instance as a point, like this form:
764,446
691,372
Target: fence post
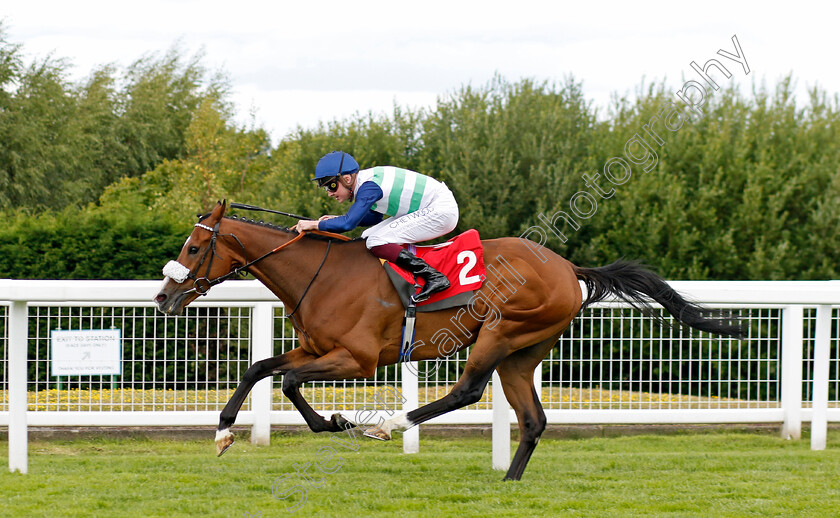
822,357
262,347
792,326
410,395
18,352
538,380
501,426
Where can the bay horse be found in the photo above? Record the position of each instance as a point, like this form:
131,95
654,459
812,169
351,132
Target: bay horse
349,316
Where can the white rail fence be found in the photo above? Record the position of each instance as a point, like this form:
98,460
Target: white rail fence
613,365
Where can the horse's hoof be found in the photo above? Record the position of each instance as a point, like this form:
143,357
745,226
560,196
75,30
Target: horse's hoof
224,440
377,433
341,422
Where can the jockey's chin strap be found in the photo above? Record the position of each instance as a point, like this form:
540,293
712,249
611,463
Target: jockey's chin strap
349,185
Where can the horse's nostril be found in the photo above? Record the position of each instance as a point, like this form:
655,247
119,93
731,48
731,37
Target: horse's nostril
160,298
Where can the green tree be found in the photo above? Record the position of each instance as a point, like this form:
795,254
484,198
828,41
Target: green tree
508,150
61,143
739,193
220,161
157,106
371,139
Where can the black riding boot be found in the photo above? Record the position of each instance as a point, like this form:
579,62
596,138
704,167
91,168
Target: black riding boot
435,281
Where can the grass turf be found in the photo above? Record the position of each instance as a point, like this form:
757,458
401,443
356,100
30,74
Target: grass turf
697,475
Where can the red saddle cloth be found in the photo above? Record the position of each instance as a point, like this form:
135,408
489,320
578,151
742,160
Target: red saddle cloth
461,259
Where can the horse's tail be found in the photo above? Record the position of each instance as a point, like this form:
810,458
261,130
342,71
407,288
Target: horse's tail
632,282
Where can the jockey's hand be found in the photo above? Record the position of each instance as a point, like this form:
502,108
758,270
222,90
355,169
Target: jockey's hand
322,218
305,224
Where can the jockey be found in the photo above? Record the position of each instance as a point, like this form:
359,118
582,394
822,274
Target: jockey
415,208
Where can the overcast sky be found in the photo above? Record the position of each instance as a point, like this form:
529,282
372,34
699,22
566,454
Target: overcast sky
297,63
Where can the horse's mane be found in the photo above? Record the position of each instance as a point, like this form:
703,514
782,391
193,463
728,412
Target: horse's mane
287,230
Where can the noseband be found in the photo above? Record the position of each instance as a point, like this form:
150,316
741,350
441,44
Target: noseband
202,285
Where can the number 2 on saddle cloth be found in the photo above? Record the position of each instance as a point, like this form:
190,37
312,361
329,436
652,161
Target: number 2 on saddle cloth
461,259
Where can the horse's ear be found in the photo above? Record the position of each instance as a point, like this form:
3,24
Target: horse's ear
219,211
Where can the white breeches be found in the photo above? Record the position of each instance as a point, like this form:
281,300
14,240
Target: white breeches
435,220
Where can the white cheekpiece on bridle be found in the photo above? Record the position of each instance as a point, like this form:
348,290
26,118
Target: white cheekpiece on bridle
176,271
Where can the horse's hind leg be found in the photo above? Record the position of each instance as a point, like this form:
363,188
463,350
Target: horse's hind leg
516,372
486,354
517,375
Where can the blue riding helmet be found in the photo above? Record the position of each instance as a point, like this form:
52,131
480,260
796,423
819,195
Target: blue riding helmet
334,164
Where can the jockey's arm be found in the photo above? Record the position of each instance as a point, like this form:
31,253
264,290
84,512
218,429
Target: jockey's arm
359,213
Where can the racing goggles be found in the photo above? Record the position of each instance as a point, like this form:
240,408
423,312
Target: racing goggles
330,184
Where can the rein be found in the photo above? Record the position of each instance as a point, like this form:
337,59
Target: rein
202,285
329,244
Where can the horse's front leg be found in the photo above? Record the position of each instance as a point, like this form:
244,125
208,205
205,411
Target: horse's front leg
256,372
337,364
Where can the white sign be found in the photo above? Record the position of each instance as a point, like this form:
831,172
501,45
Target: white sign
86,352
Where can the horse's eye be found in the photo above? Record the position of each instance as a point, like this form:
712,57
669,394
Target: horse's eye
192,250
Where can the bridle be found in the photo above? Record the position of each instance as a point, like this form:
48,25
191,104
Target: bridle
201,285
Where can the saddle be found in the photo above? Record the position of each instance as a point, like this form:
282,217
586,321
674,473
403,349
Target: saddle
461,259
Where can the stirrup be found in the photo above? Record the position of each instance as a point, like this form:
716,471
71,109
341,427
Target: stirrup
416,297
412,299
